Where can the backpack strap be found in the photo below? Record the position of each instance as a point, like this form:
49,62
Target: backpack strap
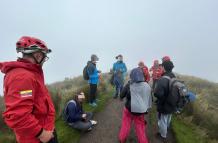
65,109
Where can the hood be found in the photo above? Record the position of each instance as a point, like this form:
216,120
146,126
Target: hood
5,67
90,62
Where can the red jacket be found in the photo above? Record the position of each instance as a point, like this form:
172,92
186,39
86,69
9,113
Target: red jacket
29,107
157,72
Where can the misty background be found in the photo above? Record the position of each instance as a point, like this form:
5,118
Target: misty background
186,30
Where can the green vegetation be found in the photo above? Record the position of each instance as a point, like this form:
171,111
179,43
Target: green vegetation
198,122
186,133
67,134
61,92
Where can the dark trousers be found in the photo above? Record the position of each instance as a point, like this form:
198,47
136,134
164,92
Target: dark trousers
83,125
92,93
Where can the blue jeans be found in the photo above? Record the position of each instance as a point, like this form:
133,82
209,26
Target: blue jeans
119,86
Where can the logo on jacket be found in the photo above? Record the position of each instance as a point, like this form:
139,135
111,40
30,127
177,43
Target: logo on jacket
26,93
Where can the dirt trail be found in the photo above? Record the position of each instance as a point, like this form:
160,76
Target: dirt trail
109,122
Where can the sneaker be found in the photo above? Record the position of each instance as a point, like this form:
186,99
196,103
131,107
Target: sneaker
93,122
89,129
97,100
164,140
93,104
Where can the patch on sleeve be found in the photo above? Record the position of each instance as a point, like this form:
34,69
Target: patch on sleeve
26,93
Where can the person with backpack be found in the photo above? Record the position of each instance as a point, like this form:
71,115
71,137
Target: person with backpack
93,79
145,71
156,72
76,117
29,111
138,94
163,94
119,70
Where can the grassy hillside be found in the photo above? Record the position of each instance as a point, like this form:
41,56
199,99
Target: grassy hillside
199,120
198,123
62,92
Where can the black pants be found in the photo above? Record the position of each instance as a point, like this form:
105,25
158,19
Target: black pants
92,93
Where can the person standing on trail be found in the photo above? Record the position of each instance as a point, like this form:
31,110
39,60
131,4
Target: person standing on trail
93,74
76,117
156,72
138,94
161,92
119,70
145,71
29,112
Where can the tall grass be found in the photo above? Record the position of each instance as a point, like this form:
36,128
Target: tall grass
202,113
60,92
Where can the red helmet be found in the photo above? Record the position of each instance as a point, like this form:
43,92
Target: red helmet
27,45
165,58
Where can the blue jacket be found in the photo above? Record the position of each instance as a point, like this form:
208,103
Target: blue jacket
93,73
74,112
119,67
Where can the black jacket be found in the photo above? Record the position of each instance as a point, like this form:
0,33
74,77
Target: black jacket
161,91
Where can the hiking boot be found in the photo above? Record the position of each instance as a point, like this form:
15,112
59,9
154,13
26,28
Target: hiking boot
93,122
164,140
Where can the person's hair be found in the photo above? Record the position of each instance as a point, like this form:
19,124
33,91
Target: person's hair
168,66
76,99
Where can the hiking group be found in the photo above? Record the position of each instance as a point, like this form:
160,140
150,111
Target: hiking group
30,111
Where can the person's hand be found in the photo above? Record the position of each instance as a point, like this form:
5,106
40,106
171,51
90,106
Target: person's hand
84,116
46,136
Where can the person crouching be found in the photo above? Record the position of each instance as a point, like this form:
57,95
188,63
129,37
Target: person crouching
138,94
76,117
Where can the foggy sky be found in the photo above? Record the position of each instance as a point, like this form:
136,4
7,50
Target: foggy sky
145,30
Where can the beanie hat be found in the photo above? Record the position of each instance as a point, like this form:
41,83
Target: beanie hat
94,58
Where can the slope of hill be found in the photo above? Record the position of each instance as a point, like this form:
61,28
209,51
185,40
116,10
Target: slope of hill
198,123
200,117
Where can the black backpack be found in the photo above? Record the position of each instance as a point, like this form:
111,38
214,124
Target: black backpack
177,97
85,73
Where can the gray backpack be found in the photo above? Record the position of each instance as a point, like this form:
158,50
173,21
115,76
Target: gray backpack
65,115
177,94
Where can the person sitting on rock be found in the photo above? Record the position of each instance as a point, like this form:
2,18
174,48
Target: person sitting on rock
76,117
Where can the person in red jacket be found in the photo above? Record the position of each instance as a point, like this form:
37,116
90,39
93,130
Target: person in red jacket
145,71
29,110
156,72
